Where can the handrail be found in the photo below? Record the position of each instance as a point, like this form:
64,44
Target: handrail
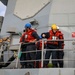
42,59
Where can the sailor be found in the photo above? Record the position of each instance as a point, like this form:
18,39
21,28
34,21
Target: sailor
29,38
53,43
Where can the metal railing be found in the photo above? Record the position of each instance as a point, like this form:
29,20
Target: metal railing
42,53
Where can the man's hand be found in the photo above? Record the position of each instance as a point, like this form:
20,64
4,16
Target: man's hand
43,35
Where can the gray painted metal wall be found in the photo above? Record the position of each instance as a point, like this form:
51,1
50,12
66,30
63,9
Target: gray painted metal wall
13,21
42,71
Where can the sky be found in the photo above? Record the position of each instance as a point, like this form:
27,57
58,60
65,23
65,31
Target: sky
2,9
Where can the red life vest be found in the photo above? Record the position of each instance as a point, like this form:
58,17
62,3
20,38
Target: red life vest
27,36
53,38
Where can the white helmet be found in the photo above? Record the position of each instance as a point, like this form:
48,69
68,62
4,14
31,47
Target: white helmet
58,27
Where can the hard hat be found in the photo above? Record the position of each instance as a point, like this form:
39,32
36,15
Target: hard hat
58,27
54,27
27,25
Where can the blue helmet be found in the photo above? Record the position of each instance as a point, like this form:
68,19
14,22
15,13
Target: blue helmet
27,25
40,37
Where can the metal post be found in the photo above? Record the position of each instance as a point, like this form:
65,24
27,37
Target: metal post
17,59
42,53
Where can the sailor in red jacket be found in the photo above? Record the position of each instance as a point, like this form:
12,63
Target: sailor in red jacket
29,37
53,43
